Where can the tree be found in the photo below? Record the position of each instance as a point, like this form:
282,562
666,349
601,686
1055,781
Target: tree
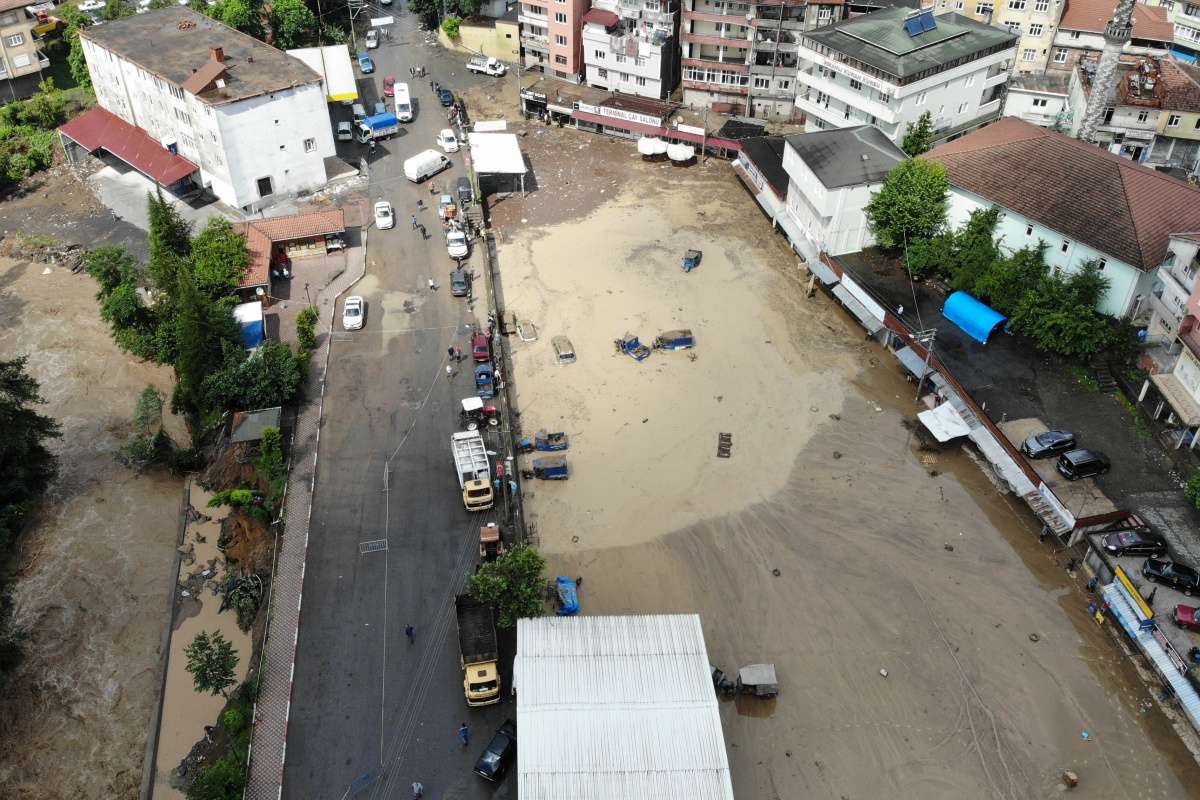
26,465
116,9
204,330
220,780
157,4
293,24
450,26
121,306
911,203
975,249
75,20
930,256
244,15
1005,284
109,265
219,258
268,377
512,583
170,243
1052,314
918,138
212,662
1191,489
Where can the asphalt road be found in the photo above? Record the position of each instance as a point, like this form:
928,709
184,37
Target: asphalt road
365,702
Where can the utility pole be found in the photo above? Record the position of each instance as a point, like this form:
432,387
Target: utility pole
925,338
355,7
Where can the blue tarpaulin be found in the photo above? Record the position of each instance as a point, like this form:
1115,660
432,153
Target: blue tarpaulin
568,597
977,320
249,317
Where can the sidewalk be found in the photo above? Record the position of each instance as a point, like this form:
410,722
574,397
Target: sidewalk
271,711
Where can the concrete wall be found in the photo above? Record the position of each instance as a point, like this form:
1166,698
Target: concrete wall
499,39
1125,281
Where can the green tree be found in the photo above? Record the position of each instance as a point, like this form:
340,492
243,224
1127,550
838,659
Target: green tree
244,15
170,243
513,584
930,256
75,20
1005,284
1052,315
1191,489
131,320
116,9
268,377
975,249
294,24
109,265
918,138
450,26
212,662
26,464
220,780
911,203
204,331
219,258
157,4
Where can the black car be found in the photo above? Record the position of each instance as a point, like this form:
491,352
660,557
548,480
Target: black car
465,194
446,97
1135,542
1048,443
1173,574
1076,464
499,754
460,284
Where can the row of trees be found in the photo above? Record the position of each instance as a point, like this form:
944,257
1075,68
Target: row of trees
27,137
1058,312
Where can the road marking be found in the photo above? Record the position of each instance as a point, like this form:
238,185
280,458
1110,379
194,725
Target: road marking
373,546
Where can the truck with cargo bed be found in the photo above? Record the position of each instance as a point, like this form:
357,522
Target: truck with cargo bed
477,646
377,126
486,66
474,471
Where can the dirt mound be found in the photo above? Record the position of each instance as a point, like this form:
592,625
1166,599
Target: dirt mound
232,467
42,249
247,542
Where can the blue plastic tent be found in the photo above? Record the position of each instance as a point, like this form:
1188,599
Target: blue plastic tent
976,319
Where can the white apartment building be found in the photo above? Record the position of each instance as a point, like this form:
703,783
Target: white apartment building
890,67
631,46
253,120
1042,100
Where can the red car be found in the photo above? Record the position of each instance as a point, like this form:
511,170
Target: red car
1185,617
389,86
481,348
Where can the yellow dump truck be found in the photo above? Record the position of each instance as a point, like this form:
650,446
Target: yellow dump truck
477,644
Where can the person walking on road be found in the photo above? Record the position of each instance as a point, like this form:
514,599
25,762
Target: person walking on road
414,222
410,633
418,790
464,735
432,285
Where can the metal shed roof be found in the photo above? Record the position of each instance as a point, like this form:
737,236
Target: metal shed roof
617,708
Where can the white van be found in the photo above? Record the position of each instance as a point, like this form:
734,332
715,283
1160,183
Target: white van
425,165
404,111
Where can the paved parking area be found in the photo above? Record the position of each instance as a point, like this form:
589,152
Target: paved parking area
1083,498
1162,599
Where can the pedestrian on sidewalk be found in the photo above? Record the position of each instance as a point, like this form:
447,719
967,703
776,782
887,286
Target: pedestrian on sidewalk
464,735
414,222
418,790
457,355
410,633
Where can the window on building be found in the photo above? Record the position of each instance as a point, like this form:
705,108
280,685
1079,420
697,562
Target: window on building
16,40
1029,230
1173,121
856,85
599,55
1016,5
310,145
559,39
824,14
266,187
560,59
1041,6
1028,55
1102,263
560,17
602,73
962,107
640,81
1143,116
1066,245
1039,102
283,147
1191,9
1013,27
762,83
921,98
1074,34
983,9
788,85
1060,55
970,81
1036,29
958,5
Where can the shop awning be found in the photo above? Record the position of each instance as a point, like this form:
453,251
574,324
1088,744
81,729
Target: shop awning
872,323
100,129
496,154
1178,398
944,422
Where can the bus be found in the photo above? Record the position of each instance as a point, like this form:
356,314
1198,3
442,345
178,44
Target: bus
403,103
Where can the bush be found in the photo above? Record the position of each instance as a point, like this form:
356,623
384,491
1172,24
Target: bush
271,466
220,780
306,328
450,26
1192,489
268,378
234,721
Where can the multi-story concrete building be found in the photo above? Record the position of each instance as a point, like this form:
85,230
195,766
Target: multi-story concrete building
1184,16
1035,21
1154,118
1172,392
890,67
1081,31
1042,100
251,120
20,53
552,36
631,46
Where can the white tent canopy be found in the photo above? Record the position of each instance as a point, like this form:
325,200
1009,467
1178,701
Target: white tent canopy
681,152
497,154
651,146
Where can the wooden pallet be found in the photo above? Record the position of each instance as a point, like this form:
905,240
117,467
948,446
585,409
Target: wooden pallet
724,445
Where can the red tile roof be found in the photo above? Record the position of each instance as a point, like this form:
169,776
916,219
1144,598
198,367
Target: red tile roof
601,17
1149,22
1182,84
1084,192
262,235
99,128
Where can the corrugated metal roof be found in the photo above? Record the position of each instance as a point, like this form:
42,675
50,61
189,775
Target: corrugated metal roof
617,707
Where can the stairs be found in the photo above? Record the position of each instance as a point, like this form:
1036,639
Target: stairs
1046,514
1104,377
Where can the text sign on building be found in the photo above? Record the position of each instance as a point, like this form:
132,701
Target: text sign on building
692,129
851,72
617,113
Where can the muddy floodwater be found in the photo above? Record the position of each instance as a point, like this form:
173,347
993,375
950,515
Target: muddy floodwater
827,543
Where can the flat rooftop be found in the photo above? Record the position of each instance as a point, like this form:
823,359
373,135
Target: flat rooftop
175,43
841,157
881,40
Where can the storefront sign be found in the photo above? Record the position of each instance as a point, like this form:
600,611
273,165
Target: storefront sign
690,129
537,97
617,113
851,72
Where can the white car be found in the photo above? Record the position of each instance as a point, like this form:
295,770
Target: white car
372,39
384,216
345,131
354,311
456,244
447,140
92,5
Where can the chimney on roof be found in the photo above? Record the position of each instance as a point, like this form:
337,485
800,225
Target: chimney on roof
218,54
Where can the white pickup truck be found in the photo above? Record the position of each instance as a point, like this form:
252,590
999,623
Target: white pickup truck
486,65
474,471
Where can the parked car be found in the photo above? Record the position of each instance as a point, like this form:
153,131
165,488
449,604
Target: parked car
1186,617
446,97
499,753
345,131
460,284
372,38
389,86
447,140
1139,542
481,348
1048,443
1173,574
1076,464
92,5
354,311
384,216
365,63
456,244
465,194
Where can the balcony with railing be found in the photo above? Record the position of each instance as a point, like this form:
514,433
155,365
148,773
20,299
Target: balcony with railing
780,62
851,97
